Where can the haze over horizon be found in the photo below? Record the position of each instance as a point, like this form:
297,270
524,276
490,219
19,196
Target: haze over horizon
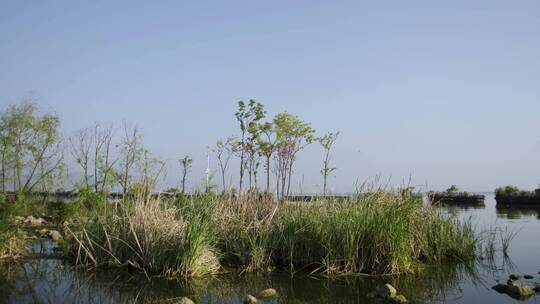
447,93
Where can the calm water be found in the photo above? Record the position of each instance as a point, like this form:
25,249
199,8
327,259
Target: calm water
49,281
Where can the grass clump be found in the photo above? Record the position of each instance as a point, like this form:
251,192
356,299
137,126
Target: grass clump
383,233
379,233
12,239
156,238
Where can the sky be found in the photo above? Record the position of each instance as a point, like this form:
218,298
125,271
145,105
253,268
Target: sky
435,92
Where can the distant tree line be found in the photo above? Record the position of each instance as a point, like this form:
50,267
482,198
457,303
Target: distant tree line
33,153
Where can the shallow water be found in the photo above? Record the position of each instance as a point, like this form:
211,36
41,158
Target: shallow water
50,281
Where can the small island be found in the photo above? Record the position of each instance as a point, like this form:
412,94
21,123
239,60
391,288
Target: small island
452,195
512,196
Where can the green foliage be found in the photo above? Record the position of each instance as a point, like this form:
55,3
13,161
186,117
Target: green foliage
452,190
510,190
378,233
29,147
290,128
327,141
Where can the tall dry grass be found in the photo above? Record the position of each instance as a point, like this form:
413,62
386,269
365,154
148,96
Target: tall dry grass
378,233
149,236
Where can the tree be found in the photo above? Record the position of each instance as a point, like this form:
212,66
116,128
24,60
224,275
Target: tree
80,146
293,135
151,168
326,142
223,151
267,145
31,147
103,163
130,152
185,163
452,190
91,149
247,116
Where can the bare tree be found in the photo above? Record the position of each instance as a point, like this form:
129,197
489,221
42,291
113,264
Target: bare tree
103,163
150,169
223,151
130,150
80,146
91,149
185,164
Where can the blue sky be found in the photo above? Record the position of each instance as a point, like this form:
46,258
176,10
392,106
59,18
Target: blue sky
447,92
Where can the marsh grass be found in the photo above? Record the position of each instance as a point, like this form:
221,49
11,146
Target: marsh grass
147,235
383,232
12,239
380,233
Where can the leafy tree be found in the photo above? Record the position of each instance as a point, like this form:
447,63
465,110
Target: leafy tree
293,135
31,147
326,142
452,190
185,163
247,116
267,143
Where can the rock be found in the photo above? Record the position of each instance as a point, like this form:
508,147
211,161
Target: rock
528,276
185,300
43,233
55,235
33,221
501,288
387,291
400,299
249,299
514,291
521,291
509,282
537,289
268,293
515,277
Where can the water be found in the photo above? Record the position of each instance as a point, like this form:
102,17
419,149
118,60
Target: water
51,281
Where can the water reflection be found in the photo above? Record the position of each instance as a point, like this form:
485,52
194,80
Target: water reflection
51,281
518,212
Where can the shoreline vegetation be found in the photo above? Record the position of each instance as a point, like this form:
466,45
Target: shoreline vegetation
452,195
114,219
511,196
381,233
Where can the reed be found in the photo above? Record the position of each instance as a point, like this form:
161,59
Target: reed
380,233
146,235
12,239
